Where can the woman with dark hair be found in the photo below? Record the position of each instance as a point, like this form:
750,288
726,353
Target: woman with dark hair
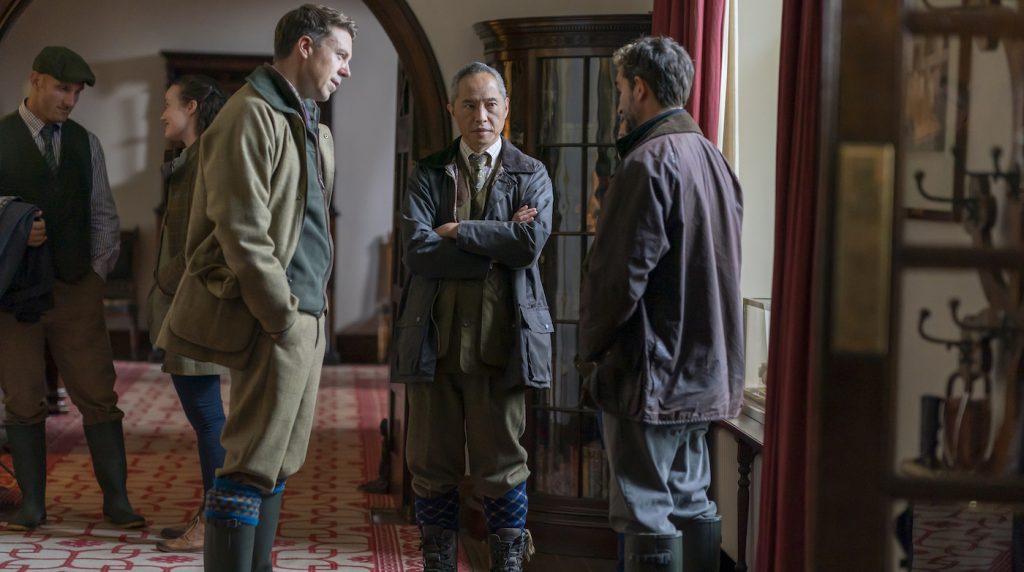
190,104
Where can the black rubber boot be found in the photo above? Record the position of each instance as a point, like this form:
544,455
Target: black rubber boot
702,545
28,451
106,445
510,548
228,546
654,552
440,547
266,532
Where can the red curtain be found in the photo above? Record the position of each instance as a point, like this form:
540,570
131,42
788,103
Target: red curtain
697,25
782,529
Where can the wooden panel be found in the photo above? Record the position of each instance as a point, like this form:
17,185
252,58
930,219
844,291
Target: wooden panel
848,510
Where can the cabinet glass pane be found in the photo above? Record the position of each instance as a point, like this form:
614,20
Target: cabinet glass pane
601,164
957,535
564,166
557,456
561,101
595,476
603,121
959,384
565,391
560,272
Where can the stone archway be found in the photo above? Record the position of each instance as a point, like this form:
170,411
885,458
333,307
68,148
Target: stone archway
432,131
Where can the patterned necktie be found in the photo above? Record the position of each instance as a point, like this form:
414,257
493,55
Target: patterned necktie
478,166
47,133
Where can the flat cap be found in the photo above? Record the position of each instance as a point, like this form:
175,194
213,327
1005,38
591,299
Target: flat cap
63,64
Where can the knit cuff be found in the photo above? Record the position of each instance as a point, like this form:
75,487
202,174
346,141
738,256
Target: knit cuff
230,500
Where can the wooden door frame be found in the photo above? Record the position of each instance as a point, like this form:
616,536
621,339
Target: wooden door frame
433,130
849,511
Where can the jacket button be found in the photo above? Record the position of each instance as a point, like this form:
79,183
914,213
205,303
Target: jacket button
465,323
418,319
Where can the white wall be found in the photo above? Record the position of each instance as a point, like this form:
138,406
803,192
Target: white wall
121,39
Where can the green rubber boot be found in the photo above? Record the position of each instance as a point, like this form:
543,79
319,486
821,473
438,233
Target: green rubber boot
106,445
653,552
228,546
28,451
702,545
266,532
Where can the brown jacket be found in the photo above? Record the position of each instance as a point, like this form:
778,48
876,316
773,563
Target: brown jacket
660,311
179,180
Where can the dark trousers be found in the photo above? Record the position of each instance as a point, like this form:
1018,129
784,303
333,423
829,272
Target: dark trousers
200,398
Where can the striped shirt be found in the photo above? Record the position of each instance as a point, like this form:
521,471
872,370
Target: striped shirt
105,226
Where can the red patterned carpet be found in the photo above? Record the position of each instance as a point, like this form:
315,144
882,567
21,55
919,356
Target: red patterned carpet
325,524
962,538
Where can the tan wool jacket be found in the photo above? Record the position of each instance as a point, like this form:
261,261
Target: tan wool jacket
247,213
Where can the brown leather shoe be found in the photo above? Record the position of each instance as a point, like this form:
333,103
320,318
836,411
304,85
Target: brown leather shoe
190,541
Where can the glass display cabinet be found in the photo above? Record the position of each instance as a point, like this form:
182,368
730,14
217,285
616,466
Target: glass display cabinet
561,83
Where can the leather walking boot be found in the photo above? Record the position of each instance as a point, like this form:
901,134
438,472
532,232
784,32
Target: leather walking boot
28,451
172,532
653,552
702,545
510,548
191,540
266,532
228,546
440,548
109,462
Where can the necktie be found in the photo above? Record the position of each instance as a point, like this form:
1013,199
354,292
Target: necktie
47,133
478,166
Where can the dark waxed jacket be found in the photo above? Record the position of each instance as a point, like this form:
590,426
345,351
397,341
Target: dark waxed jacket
660,307
429,203
26,274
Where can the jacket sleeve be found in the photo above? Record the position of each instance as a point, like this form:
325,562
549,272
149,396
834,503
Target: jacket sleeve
517,245
427,253
236,169
630,241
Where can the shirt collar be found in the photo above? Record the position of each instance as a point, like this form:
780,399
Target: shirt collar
492,152
35,125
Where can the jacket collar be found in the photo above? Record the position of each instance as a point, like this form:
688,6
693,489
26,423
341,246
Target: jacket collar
278,93
676,120
512,159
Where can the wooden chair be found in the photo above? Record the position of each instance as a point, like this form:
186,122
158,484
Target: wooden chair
121,294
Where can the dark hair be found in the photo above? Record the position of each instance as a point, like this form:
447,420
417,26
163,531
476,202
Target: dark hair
206,93
662,63
473,69
311,20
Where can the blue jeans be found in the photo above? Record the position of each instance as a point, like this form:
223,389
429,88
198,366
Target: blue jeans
200,398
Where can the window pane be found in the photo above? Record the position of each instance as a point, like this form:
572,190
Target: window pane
564,166
561,101
601,163
603,122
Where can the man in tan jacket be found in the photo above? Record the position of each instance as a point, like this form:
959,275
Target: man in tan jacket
259,252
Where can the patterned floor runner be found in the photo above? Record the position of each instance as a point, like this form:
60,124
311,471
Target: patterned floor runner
970,537
325,523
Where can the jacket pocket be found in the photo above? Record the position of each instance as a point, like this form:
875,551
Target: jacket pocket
537,331
205,319
410,335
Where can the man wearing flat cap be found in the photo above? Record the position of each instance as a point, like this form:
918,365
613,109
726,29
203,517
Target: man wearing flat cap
57,165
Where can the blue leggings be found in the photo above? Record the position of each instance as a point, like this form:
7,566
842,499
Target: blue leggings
200,398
